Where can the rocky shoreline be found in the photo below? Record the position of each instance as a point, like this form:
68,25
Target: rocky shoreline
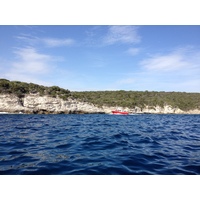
36,104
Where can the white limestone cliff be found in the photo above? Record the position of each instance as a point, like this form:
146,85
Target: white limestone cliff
34,103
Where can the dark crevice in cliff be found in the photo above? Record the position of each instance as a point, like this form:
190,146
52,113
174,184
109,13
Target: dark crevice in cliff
21,102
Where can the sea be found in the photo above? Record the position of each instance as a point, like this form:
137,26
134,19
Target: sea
99,144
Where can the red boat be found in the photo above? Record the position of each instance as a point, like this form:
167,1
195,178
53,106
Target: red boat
119,112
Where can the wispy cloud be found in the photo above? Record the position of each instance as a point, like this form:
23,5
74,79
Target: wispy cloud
133,51
181,59
29,65
178,70
29,60
170,62
46,41
54,42
121,34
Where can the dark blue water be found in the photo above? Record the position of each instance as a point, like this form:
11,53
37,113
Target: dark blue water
99,144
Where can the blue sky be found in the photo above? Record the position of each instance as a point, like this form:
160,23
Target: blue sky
82,58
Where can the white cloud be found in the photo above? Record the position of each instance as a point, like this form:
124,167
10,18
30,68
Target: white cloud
54,42
48,41
181,59
121,34
27,39
133,51
169,62
29,66
29,60
178,70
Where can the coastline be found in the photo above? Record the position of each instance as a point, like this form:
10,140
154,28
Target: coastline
36,104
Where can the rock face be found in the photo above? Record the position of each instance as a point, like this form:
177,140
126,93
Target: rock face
167,109
34,103
10,103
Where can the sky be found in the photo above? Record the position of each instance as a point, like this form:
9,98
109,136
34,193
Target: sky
103,57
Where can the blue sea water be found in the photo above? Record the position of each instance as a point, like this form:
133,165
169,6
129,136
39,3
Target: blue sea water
99,144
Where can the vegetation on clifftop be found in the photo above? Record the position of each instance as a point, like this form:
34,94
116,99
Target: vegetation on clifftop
121,98
21,88
131,99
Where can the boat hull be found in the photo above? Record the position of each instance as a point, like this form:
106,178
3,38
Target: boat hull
116,112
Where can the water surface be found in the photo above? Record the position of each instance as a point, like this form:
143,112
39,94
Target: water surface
99,144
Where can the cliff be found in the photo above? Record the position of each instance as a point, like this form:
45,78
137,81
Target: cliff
21,97
34,103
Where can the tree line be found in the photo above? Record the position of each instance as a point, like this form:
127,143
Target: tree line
131,99
21,88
